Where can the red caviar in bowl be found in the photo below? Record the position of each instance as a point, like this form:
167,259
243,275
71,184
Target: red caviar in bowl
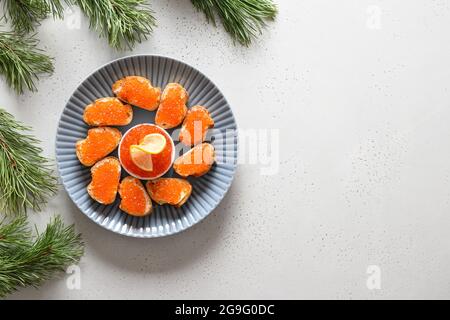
161,161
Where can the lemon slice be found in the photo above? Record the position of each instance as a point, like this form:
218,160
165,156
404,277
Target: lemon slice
141,159
152,143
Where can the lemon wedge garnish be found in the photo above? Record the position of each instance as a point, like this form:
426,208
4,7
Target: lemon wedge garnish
152,143
141,159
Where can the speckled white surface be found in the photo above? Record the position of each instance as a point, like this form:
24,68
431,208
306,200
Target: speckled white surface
363,112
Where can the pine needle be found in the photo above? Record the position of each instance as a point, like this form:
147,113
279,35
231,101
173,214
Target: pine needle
242,19
21,62
34,261
25,15
26,179
123,22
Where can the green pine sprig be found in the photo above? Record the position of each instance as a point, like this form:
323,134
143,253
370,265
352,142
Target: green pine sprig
26,178
28,261
123,22
25,15
21,62
242,19
13,235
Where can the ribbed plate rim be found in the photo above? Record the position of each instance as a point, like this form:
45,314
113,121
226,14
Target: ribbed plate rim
159,234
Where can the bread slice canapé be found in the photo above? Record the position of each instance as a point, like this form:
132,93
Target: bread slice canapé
195,126
98,144
171,191
196,162
105,180
108,112
137,91
172,109
135,199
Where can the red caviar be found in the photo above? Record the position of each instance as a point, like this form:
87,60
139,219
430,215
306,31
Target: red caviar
135,200
172,108
137,91
169,190
161,161
105,180
195,126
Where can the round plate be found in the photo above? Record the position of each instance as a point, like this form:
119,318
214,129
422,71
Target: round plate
208,190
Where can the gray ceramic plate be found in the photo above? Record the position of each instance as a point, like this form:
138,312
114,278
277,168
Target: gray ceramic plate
208,190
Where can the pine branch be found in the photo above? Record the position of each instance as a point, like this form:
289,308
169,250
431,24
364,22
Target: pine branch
34,261
242,19
21,62
26,179
25,15
123,22
14,235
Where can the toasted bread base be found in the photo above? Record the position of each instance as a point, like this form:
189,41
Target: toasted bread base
187,133
159,199
172,109
86,159
185,165
108,112
90,188
124,194
153,93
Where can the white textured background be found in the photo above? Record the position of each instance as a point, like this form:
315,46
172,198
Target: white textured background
364,161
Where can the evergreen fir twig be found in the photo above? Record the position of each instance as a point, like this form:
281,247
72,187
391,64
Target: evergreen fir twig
26,179
26,14
242,19
34,261
21,62
123,22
